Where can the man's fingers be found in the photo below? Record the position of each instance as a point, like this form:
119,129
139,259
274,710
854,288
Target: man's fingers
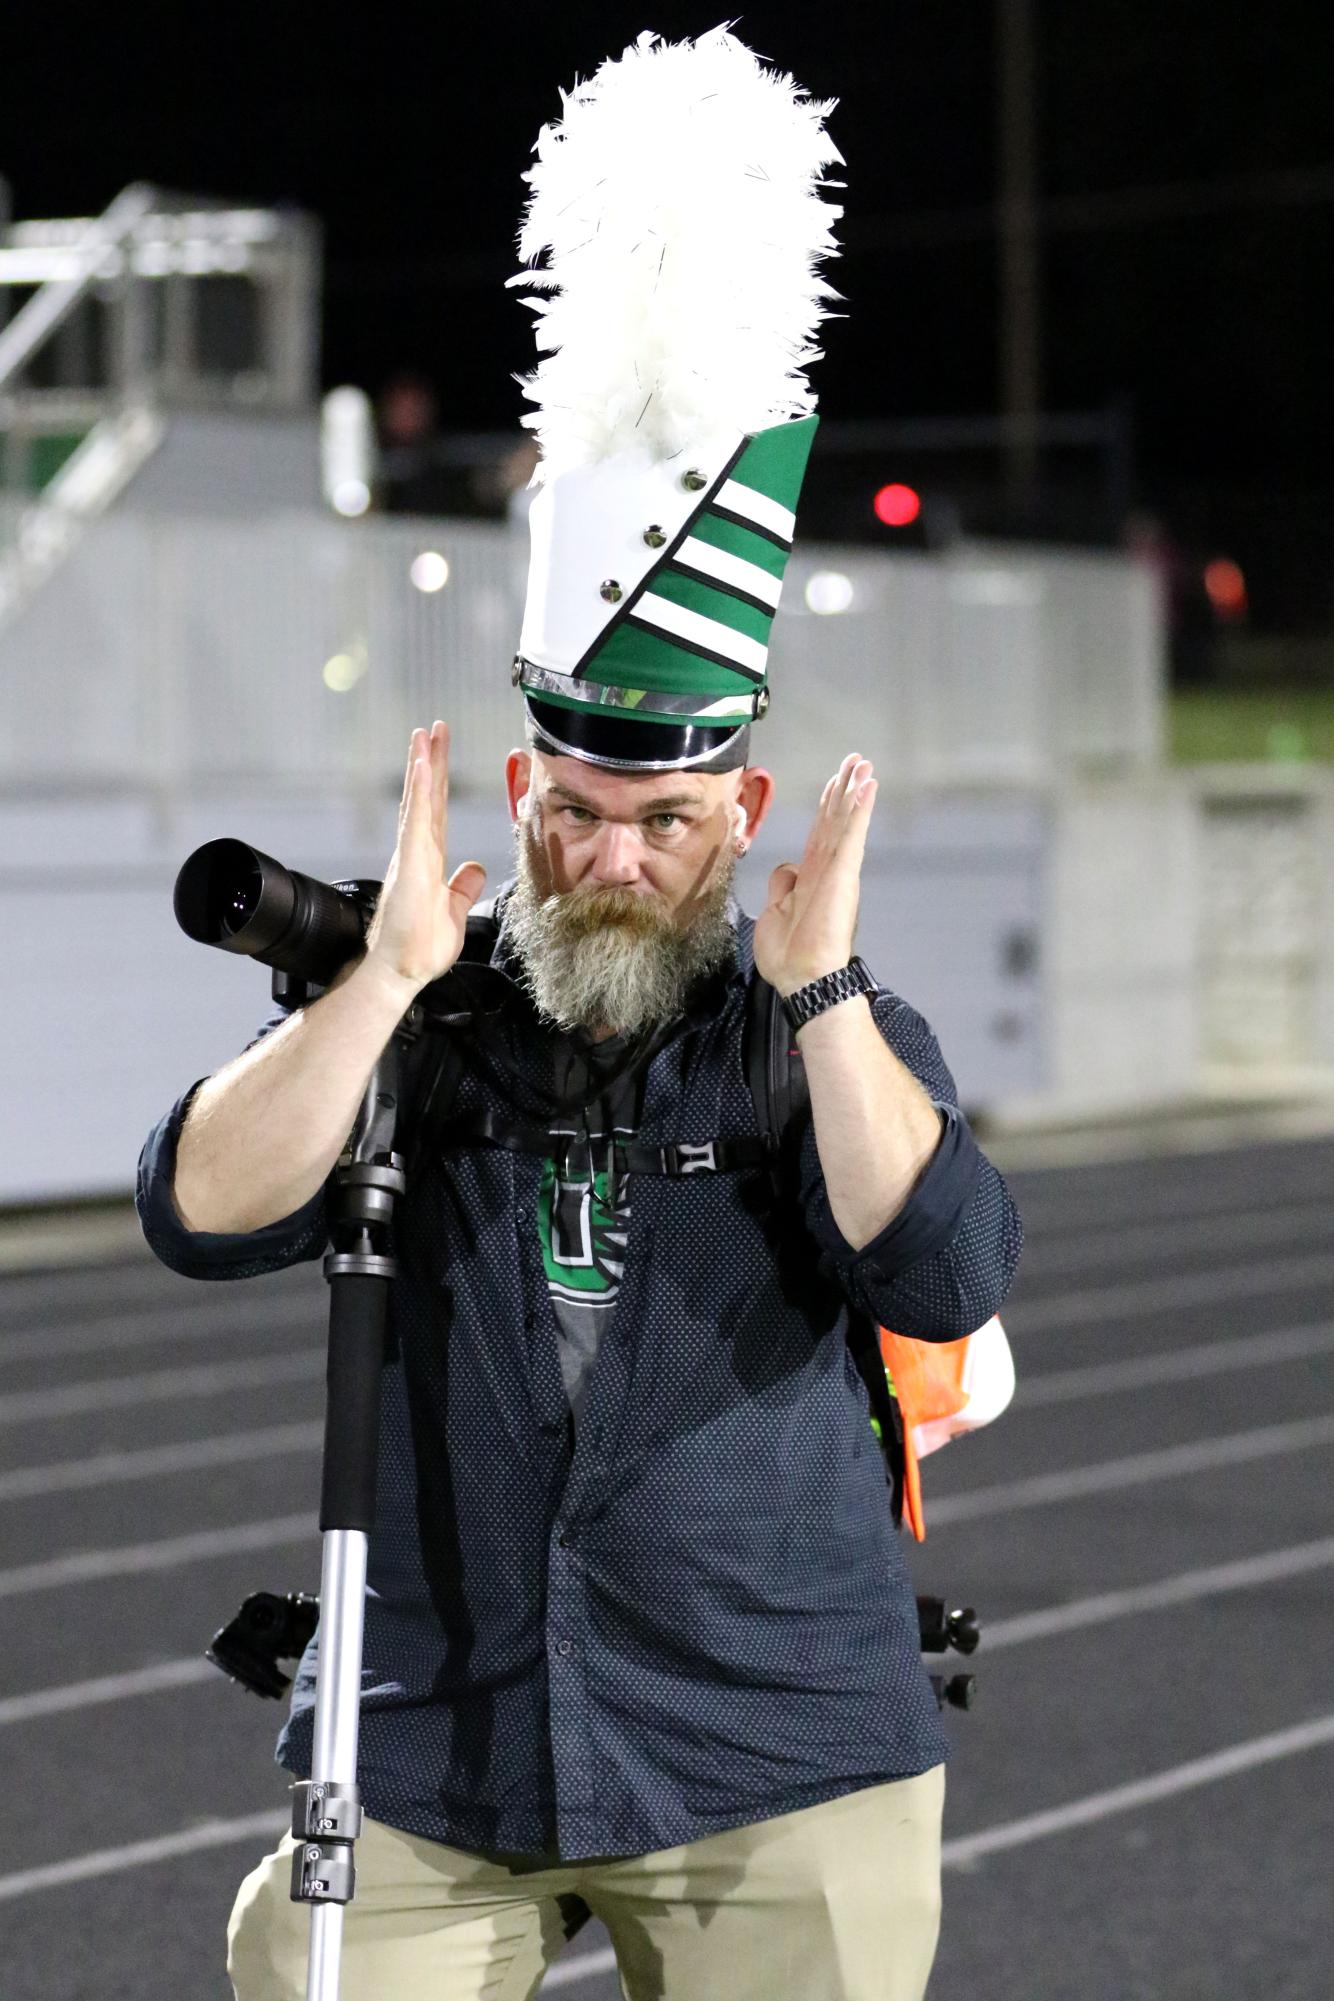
414,752
439,777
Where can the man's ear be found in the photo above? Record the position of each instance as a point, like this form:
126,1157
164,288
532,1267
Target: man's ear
752,801
518,777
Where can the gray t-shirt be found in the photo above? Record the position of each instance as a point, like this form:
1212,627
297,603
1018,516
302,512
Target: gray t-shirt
583,1223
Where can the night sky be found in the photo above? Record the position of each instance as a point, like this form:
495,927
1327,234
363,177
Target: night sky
1199,299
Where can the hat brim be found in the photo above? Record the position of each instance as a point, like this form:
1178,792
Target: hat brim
599,738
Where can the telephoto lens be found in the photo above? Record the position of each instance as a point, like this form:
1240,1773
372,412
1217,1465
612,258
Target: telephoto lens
241,900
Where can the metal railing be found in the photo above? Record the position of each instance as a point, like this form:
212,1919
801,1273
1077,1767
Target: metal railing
295,652
143,265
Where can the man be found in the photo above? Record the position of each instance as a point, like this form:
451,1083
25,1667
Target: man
639,1635
678,1620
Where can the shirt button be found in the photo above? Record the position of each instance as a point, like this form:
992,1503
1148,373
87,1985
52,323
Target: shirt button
562,1540
564,1646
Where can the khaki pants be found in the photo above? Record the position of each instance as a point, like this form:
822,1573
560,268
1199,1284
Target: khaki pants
839,1902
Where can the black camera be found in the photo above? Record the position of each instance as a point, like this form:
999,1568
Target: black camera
242,900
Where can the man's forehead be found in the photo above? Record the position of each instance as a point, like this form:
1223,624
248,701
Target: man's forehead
627,791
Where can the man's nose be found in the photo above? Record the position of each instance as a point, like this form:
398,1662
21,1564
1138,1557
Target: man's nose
619,850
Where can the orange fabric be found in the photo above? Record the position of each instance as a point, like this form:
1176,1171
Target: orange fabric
928,1379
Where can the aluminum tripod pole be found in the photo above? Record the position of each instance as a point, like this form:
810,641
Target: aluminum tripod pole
326,1808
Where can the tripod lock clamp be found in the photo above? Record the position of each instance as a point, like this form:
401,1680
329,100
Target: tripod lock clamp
326,1820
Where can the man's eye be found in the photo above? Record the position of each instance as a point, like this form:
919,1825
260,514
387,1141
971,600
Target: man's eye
666,822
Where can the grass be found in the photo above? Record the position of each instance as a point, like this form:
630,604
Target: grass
1277,725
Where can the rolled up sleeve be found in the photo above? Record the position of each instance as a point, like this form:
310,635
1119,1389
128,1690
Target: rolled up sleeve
209,1253
941,1267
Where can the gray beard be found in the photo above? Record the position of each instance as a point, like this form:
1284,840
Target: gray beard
606,961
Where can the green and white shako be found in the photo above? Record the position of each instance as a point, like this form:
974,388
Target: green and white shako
672,241
652,588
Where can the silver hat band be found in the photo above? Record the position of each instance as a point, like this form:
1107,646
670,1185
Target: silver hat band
643,701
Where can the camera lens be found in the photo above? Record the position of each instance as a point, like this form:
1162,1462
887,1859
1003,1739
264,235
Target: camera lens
240,902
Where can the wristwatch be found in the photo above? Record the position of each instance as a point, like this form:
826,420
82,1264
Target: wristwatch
831,988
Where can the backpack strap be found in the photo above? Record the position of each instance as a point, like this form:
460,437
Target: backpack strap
442,1066
776,1077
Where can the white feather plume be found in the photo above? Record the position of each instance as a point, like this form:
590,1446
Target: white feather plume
677,206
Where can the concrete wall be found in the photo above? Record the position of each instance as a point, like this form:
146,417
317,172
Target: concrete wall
1060,947
109,1012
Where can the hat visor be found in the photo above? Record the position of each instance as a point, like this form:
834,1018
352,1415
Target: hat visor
599,738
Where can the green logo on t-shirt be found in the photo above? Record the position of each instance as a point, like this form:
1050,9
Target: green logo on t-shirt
583,1238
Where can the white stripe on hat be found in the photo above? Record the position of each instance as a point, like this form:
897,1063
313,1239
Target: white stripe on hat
678,623
724,568
732,708
734,498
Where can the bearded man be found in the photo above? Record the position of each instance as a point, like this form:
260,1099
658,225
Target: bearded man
639,1636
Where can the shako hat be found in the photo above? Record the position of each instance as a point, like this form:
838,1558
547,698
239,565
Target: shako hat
677,207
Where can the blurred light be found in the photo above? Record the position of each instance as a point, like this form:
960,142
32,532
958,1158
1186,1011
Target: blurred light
1226,588
342,672
347,450
351,496
897,506
430,570
829,591
999,587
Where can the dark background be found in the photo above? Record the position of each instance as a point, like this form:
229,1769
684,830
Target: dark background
1186,184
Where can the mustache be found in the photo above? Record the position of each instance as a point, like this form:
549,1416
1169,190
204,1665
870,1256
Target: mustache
583,913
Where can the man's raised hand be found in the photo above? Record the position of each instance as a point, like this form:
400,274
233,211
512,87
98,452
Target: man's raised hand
420,921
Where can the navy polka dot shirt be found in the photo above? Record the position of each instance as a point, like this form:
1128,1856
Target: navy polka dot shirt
696,1613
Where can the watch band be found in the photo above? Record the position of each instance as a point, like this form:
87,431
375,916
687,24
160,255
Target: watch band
831,988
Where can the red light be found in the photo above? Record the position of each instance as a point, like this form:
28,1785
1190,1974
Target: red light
897,506
1226,588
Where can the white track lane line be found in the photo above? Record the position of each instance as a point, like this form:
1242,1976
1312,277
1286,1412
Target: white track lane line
1176,1365
1203,1199
160,1322
210,1379
960,1853
192,1455
1136,1470
1266,1350
87,1566
90,1566
138,1854
581,1967
1245,1574
1245,1230
1225,1764
1288,1344
38,1702
1221,1286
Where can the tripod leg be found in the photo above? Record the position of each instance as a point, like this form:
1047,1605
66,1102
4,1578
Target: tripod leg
326,1808
334,1754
